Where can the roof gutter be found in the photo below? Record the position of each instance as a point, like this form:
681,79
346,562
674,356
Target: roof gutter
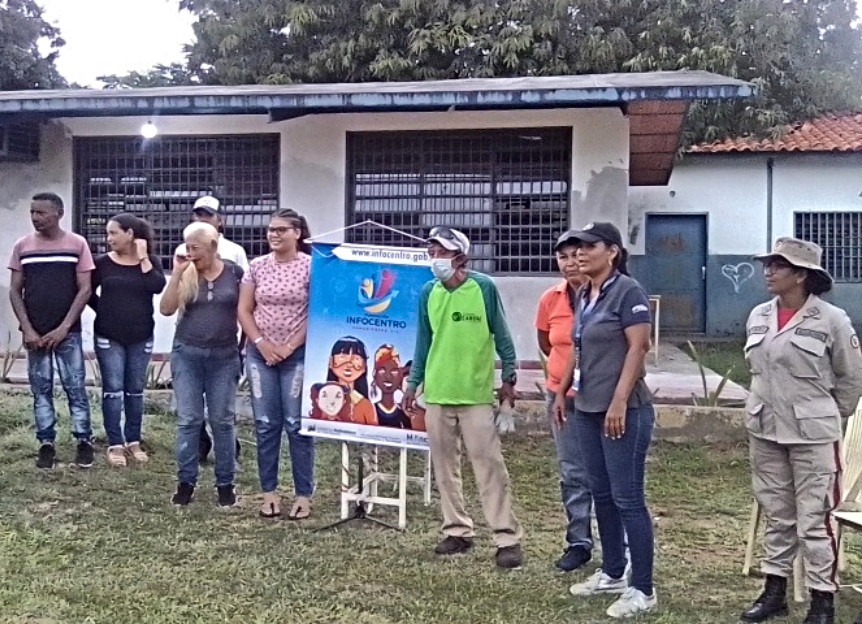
115,103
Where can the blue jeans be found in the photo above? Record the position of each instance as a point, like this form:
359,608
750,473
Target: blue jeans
574,483
199,372
70,364
124,375
276,399
616,475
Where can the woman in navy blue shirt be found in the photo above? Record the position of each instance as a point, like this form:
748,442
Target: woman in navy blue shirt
614,415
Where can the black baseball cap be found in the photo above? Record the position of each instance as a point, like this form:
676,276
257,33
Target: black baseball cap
599,231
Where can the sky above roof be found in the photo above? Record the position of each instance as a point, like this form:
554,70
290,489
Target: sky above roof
117,36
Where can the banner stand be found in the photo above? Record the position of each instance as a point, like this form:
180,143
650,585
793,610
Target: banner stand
362,326
368,492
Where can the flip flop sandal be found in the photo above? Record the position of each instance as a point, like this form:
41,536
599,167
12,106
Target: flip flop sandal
300,511
274,512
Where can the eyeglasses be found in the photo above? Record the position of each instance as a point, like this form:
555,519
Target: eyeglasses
279,231
209,291
340,359
776,265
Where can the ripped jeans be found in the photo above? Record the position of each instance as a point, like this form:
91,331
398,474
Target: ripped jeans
124,375
69,357
276,399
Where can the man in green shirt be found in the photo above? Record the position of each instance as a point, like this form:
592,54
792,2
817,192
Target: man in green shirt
461,324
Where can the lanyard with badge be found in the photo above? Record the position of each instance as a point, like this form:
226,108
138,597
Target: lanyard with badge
586,309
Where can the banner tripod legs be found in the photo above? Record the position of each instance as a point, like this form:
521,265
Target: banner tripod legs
360,512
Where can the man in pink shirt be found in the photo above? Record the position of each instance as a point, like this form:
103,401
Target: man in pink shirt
50,286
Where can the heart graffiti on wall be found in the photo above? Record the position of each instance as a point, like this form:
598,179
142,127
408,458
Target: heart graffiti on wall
738,274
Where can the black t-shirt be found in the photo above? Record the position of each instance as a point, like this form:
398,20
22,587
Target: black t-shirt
50,270
210,321
396,419
124,306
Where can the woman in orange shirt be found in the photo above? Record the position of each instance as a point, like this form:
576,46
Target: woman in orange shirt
554,322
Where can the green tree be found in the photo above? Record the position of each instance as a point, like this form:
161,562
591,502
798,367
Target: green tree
804,55
159,76
29,46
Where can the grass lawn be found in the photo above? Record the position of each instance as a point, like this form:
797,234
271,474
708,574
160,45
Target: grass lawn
105,546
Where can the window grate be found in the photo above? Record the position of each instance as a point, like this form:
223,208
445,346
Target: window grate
840,235
159,179
508,190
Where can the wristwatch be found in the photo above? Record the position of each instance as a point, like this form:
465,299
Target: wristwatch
512,379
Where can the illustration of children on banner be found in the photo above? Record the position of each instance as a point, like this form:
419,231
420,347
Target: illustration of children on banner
330,401
417,414
348,365
388,379
363,320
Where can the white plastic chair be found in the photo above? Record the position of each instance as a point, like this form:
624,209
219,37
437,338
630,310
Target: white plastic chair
849,513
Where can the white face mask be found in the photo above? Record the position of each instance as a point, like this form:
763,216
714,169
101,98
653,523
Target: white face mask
442,268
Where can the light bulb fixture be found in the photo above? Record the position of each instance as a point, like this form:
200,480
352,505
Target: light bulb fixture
149,130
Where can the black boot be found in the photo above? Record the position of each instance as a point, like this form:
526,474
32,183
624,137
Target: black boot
822,608
772,602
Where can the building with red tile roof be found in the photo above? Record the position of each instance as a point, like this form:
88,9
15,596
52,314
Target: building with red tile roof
692,241
838,132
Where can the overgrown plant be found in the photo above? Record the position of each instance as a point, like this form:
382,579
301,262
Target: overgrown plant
244,384
10,356
709,399
543,360
155,381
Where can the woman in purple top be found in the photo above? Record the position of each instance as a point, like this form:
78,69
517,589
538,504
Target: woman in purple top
273,312
127,277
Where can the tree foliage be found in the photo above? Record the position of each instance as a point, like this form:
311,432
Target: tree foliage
159,76
804,55
29,46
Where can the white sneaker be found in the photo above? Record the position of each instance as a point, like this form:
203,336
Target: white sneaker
633,602
600,583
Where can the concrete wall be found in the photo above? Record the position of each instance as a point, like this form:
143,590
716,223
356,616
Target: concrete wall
733,191
313,170
18,183
826,183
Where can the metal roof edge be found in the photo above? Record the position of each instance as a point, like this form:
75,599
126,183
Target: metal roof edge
477,94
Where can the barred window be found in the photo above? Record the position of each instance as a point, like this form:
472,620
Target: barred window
840,235
508,190
159,179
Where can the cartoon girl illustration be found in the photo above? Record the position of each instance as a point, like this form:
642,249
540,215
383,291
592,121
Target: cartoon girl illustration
329,401
348,365
417,414
387,380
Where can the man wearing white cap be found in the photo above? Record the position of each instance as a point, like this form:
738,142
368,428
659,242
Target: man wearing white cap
208,210
461,324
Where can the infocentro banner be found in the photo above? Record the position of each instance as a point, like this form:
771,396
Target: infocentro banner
363,315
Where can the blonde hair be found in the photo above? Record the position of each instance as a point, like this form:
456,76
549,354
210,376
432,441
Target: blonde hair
198,232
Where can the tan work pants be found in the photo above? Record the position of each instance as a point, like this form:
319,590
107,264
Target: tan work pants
798,487
447,425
